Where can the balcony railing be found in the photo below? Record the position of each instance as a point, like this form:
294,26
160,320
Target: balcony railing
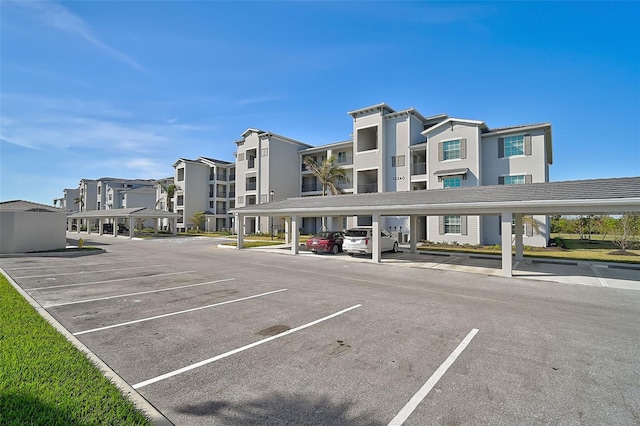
221,194
250,186
251,163
419,169
211,177
221,177
232,194
369,187
232,178
210,194
309,187
344,161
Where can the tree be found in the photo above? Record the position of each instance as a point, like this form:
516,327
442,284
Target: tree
197,219
606,225
627,231
328,173
170,189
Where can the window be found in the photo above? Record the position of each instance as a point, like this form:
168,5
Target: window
514,180
181,174
452,150
452,224
514,145
342,157
397,161
210,204
241,156
180,200
181,218
452,182
264,152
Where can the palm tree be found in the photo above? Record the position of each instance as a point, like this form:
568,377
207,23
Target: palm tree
170,189
330,176
328,173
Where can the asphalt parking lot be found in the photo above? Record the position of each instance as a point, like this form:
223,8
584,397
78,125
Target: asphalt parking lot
229,337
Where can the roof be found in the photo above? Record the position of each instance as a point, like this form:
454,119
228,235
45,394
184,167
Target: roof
134,212
28,206
519,127
605,196
214,160
452,120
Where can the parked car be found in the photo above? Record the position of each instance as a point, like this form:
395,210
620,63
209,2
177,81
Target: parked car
358,241
326,242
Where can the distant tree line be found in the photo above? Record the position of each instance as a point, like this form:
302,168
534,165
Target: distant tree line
624,230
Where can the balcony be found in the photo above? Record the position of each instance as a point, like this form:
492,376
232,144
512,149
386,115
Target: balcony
344,161
232,194
419,169
368,187
221,194
310,187
221,177
232,178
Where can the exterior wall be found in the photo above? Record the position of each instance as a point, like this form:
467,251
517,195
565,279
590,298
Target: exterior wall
32,231
534,164
277,171
397,142
88,191
491,232
369,159
68,202
194,189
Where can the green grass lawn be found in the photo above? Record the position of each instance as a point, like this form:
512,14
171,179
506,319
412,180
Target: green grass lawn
594,250
45,380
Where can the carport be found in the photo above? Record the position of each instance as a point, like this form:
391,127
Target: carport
130,215
510,202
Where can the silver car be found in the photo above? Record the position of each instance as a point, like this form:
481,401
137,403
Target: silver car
358,241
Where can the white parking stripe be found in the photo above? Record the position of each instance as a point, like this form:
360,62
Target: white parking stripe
89,272
135,294
235,351
108,281
74,265
406,411
177,313
599,275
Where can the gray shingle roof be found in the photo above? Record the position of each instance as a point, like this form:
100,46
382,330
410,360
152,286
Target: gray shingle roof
28,206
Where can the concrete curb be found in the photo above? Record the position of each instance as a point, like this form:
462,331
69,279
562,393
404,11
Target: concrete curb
138,400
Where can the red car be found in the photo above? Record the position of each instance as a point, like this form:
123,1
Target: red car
326,242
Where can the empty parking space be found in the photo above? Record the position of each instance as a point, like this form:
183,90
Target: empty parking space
259,337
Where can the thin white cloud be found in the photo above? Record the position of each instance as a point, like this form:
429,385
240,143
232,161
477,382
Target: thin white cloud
256,100
59,17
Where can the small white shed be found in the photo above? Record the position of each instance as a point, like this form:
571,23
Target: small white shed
27,227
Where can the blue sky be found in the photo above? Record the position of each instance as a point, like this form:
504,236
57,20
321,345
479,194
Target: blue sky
123,89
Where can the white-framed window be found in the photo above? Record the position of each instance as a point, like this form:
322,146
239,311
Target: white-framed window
452,182
397,161
181,174
180,200
181,218
512,146
452,225
342,157
452,150
514,180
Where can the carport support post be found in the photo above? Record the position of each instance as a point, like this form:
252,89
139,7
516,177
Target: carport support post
174,226
507,262
69,224
114,221
413,233
100,224
375,238
131,229
240,225
519,245
295,236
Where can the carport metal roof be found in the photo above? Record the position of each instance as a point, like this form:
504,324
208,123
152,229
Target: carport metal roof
133,212
594,196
